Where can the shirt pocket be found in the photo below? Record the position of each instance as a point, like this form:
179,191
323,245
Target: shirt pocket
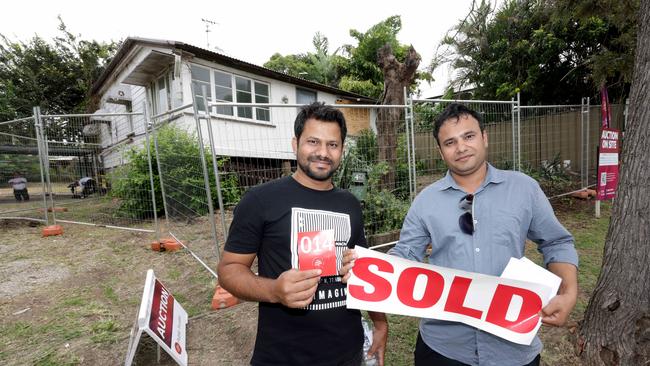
505,228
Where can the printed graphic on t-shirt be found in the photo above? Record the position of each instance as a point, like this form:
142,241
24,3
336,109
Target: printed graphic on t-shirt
312,234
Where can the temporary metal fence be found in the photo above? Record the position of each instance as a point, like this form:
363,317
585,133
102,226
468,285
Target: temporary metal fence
375,166
390,155
20,158
88,168
185,171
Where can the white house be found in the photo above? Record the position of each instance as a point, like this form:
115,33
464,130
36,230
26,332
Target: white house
156,76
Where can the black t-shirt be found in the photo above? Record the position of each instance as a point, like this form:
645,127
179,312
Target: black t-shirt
267,221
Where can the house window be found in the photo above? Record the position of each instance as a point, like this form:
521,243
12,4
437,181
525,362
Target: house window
225,87
223,91
304,96
201,81
161,94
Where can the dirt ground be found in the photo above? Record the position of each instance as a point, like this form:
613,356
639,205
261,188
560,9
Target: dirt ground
72,299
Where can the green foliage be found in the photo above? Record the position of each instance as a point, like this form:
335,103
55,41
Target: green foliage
551,52
356,69
320,66
384,210
552,176
425,114
179,156
55,75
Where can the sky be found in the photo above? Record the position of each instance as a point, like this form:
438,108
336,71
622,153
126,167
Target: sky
250,30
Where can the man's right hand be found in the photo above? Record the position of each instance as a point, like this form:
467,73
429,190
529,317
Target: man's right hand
296,289
346,264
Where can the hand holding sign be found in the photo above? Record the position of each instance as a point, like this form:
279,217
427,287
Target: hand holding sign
295,289
316,250
346,264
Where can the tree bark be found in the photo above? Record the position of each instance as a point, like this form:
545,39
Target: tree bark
616,326
397,76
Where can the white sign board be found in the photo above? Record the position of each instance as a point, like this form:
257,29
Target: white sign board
162,318
502,306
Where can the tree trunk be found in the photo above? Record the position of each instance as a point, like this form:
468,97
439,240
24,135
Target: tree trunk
616,327
397,76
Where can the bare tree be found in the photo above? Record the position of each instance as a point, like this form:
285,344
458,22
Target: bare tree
397,76
616,327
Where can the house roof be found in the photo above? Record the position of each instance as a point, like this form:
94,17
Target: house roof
221,59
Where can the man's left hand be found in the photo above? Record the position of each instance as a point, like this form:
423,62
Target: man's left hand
556,312
379,339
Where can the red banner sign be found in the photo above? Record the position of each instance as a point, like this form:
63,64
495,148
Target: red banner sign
608,155
162,313
162,318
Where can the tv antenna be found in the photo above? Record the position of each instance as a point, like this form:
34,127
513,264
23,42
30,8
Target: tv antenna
208,23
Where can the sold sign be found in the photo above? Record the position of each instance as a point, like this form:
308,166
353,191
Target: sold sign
504,307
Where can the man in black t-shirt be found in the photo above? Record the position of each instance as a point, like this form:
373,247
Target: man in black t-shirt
298,228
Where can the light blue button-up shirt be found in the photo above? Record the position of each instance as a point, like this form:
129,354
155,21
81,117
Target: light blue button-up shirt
508,208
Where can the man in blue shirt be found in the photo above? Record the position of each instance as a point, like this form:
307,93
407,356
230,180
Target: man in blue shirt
475,219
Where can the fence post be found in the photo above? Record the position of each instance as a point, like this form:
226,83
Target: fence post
145,121
206,176
587,143
157,151
518,131
46,161
37,129
584,143
410,163
217,181
515,109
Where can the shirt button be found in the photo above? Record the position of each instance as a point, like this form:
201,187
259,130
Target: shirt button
477,250
476,221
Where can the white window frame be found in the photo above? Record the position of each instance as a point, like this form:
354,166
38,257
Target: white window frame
256,111
299,89
154,92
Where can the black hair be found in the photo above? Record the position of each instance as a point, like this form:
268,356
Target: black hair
455,111
321,112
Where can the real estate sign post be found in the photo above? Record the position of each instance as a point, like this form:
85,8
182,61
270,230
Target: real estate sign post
162,318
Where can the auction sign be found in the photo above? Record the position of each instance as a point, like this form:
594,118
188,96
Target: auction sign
162,318
608,163
505,307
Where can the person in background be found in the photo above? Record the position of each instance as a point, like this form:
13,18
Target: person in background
298,228
19,185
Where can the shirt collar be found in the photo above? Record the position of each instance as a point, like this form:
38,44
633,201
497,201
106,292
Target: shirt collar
493,175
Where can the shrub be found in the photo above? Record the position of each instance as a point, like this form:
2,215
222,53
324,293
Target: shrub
179,157
383,210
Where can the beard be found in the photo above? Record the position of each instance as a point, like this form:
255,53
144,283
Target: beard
319,175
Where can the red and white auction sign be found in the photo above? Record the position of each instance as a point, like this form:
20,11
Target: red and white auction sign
162,318
608,163
505,307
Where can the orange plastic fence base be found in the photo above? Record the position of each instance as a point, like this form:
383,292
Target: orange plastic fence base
52,230
223,299
166,244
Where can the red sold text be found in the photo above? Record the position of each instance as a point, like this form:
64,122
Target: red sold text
434,292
